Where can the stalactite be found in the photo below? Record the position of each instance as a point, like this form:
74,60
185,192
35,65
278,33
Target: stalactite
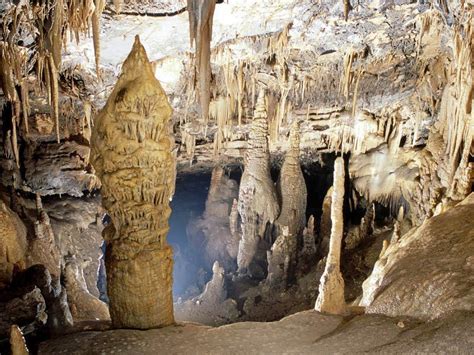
25,106
201,15
14,139
356,92
54,35
346,79
347,8
240,85
118,4
99,8
54,89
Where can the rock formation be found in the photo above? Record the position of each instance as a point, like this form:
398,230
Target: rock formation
291,187
17,341
258,204
212,306
58,319
331,287
131,152
25,310
326,223
282,259
308,254
43,249
361,232
201,13
83,305
13,243
403,283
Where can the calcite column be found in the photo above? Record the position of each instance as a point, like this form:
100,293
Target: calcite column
291,187
331,287
131,152
258,203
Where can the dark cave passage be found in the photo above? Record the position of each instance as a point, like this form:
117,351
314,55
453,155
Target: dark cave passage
188,204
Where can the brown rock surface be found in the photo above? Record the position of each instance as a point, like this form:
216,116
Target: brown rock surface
429,271
131,152
13,243
307,332
83,305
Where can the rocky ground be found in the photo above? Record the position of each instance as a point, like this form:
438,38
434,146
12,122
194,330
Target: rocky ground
307,332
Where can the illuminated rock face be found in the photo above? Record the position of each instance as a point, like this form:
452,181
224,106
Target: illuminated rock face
12,243
331,288
291,187
131,152
258,203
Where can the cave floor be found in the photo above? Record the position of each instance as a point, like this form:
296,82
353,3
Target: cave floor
307,332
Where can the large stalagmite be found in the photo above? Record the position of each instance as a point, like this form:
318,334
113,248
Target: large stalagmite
331,287
258,204
291,187
131,152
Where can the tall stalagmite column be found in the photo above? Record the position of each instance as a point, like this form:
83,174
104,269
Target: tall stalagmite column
291,187
131,152
331,287
258,204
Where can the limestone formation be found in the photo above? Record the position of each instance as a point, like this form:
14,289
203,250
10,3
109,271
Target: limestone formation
83,305
17,341
26,309
404,283
42,249
331,287
396,233
363,231
258,204
58,319
131,152
308,253
234,229
291,187
201,13
213,306
326,223
13,243
282,259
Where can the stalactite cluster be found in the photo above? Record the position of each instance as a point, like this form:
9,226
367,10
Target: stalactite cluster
200,30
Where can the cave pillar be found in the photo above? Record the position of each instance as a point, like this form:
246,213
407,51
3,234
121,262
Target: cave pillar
131,152
291,187
331,287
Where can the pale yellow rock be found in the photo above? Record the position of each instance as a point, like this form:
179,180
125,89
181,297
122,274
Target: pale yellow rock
131,152
17,341
12,243
331,287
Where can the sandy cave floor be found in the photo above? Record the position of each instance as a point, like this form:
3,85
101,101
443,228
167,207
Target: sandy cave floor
307,332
